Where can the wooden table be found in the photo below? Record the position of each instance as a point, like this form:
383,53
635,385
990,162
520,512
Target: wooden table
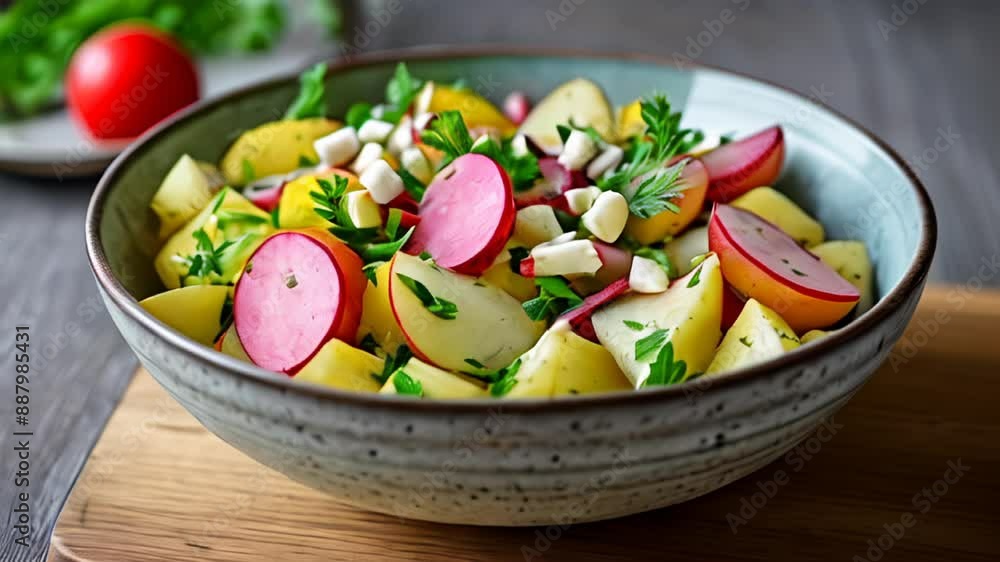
913,454
932,73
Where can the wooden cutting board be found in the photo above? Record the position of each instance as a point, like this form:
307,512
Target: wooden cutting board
159,487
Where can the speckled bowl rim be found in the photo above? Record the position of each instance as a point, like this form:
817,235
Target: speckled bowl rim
890,303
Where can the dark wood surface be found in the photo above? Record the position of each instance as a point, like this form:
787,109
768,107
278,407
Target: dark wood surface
933,73
823,500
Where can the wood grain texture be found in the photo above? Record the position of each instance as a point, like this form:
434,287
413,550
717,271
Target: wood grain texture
934,72
160,487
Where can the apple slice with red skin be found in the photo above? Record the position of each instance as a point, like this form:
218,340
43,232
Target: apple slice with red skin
266,198
549,189
404,202
467,215
762,262
299,290
732,306
579,317
616,264
516,107
738,167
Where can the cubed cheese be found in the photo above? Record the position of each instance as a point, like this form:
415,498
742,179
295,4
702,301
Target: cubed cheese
606,218
339,147
608,159
369,153
574,257
581,199
578,150
381,181
375,130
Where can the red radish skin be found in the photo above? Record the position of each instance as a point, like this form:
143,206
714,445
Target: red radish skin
732,306
549,189
405,202
517,106
266,198
616,264
408,220
579,317
467,215
299,290
420,124
527,267
740,166
762,262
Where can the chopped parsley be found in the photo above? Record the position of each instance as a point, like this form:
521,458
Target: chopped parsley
646,347
309,102
554,298
506,379
448,134
696,278
476,364
407,385
745,340
523,170
400,92
633,325
370,271
357,114
664,370
227,217
332,206
799,273
207,258
393,363
435,305
412,185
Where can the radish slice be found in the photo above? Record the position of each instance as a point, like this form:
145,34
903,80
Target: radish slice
517,106
266,198
616,264
549,189
467,215
295,295
740,166
579,317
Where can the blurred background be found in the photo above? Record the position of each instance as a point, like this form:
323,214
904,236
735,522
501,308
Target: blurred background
918,73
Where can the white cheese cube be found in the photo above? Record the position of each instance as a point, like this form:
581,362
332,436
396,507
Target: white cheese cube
381,181
579,200
607,160
369,153
519,146
375,130
401,137
578,150
339,147
414,161
363,210
568,258
606,219
536,224
646,276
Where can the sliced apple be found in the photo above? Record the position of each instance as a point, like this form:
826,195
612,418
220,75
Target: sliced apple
580,102
489,327
377,318
764,263
668,223
436,383
849,258
299,290
477,111
168,262
194,311
186,189
777,209
738,167
684,248
690,312
339,365
467,215
759,334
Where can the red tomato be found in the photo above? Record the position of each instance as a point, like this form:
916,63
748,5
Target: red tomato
127,78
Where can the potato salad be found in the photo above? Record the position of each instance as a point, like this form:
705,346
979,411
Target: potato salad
435,245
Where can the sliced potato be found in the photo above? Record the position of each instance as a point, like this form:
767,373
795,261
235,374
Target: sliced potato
520,287
687,246
477,111
757,335
377,318
580,102
340,365
183,243
586,367
436,383
186,189
777,209
813,335
193,311
489,326
690,311
231,345
849,258
274,148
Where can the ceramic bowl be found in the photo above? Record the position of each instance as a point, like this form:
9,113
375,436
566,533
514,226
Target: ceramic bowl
531,462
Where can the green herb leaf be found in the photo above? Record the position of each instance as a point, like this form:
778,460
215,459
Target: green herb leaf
646,347
696,278
664,370
309,102
475,363
227,217
745,340
393,363
516,256
276,215
448,134
633,325
554,298
400,92
657,190
383,251
506,381
392,223
407,385
306,162
248,173
357,114
412,185
437,306
368,344
370,271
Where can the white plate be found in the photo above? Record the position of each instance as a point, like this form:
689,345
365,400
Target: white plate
50,145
